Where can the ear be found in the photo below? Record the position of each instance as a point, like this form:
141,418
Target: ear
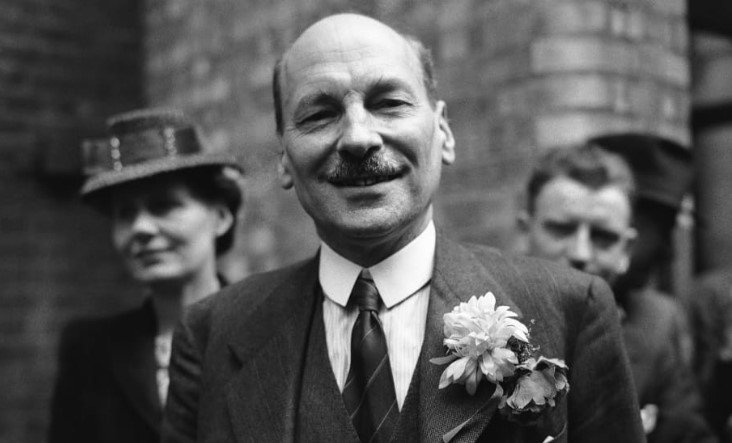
283,170
521,240
224,219
443,126
523,222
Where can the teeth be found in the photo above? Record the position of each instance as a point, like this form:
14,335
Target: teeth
365,181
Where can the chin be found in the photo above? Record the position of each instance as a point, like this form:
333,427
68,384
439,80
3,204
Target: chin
368,224
156,274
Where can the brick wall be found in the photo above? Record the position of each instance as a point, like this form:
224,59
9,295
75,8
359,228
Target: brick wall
64,66
518,76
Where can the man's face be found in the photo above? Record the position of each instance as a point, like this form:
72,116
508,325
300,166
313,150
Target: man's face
588,229
363,145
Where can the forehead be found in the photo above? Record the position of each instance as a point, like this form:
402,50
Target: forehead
565,198
166,185
348,55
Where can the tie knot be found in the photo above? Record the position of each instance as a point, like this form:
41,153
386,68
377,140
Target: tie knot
365,294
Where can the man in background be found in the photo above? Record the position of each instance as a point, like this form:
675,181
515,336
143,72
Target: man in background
580,213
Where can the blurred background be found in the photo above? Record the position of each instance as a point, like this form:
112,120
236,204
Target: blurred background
519,76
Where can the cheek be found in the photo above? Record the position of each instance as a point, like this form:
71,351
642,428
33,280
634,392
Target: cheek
120,236
610,259
199,229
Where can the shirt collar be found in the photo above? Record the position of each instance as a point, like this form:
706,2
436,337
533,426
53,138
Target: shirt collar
396,277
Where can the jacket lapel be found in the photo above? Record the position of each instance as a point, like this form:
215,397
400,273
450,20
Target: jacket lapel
133,362
271,346
457,276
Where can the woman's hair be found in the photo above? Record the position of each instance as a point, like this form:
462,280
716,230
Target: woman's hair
216,184
210,184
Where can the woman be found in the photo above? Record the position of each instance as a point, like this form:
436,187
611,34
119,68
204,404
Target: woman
173,210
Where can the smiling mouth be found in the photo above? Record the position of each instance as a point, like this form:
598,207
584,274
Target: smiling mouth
148,253
359,182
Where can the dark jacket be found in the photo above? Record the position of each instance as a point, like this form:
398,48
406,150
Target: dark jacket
710,307
106,389
659,346
238,358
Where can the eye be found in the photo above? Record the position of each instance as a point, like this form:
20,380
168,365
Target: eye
604,238
161,205
560,229
387,103
123,211
316,117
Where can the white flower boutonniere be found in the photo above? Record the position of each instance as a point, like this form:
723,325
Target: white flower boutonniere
488,342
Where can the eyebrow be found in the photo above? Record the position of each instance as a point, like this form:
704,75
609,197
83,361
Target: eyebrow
385,85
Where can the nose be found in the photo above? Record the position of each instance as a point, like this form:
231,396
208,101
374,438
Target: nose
580,248
358,136
142,223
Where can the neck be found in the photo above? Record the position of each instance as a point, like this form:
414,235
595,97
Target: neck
367,252
170,298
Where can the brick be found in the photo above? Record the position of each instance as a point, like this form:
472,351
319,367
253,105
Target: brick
498,70
573,17
560,129
680,37
642,98
628,23
669,7
455,14
572,91
665,65
563,54
510,31
660,30
453,45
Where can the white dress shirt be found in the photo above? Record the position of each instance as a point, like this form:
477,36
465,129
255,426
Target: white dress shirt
403,283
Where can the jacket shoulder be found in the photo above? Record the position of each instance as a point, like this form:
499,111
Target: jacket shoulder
234,303
544,288
95,328
521,270
87,339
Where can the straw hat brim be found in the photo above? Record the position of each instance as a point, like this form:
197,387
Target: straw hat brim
150,168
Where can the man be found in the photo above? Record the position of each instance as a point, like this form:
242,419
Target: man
279,356
710,305
580,208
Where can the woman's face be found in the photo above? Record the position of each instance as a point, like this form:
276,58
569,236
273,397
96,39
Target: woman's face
163,232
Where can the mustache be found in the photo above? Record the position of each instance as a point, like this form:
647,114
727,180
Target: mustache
368,167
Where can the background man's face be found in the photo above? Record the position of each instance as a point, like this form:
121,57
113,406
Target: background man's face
363,146
582,227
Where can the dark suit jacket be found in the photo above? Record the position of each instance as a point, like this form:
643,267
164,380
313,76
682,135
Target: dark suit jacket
658,343
105,388
710,309
238,357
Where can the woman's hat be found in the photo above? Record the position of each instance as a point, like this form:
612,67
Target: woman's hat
144,143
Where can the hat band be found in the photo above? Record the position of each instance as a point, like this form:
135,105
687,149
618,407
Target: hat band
137,147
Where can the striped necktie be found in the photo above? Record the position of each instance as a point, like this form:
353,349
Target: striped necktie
369,390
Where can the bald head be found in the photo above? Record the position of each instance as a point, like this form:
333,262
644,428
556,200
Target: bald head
338,33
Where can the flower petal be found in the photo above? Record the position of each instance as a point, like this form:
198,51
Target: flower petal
453,372
443,360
